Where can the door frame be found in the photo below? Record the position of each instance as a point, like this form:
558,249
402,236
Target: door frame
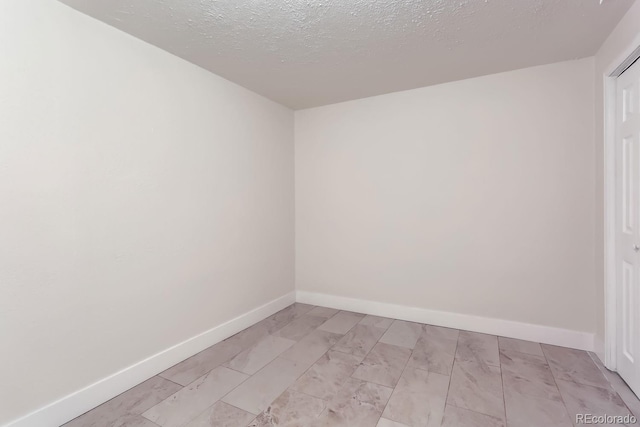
611,73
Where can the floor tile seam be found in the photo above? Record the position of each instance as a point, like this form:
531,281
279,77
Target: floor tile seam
523,352
393,389
153,422
173,382
367,353
288,389
555,381
208,408
303,374
446,398
504,399
206,373
479,362
213,403
337,333
476,412
613,387
225,364
428,374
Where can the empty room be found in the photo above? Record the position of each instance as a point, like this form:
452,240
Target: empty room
365,213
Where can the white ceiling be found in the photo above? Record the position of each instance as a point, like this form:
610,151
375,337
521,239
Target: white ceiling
305,53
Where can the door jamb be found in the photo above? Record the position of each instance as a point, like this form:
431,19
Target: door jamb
610,75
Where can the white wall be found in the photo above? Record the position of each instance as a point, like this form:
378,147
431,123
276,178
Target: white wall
143,200
471,197
624,37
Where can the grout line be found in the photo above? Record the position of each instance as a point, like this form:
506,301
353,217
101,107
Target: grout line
453,364
244,373
406,363
520,352
243,410
553,375
504,399
146,419
302,374
602,368
456,361
251,376
477,412
167,379
312,365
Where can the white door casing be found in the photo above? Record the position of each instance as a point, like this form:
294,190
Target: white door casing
627,168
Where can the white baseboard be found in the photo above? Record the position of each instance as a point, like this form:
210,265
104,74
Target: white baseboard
487,325
79,402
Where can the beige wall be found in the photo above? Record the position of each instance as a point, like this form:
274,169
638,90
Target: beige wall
626,35
143,200
471,197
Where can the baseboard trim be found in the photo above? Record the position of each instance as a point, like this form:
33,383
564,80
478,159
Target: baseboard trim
487,325
79,402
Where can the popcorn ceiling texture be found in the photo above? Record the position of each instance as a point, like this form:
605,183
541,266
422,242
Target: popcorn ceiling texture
306,53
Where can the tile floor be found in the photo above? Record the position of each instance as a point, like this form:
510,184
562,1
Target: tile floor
315,366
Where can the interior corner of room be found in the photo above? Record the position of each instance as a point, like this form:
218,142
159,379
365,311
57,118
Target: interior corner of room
151,208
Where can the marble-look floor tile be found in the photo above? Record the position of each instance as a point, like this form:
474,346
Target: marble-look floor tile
459,417
418,399
383,422
378,322
586,399
512,344
475,347
285,316
341,322
359,340
528,375
256,394
222,415
189,402
477,387
132,402
298,369
196,366
383,365
357,404
435,350
300,327
527,411
130,421
323,312
403,334
325,378
255,358
309,349
618,384
568,364
250,336
290,409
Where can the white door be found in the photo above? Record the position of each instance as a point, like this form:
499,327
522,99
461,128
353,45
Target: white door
628,225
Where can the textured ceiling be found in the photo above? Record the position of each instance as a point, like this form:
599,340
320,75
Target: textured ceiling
305,53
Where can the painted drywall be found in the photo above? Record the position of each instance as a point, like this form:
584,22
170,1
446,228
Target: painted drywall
317,52
143,200
624,37
472,197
